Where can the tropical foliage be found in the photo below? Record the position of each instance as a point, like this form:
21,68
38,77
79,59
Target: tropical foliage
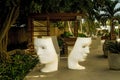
113,47
18,67
17,11
110,13
14,11
9,11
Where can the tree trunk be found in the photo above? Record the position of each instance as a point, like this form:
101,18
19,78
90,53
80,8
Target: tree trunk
10,19
112,33
69,27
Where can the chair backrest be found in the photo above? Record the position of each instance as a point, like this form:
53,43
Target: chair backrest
55,43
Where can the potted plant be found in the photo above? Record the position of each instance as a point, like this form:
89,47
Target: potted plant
114,55
82,35
105,39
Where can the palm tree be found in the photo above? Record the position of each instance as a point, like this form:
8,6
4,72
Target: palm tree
110,13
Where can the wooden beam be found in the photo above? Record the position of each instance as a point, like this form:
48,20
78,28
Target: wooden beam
56,16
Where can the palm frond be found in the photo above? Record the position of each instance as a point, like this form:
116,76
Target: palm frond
113,46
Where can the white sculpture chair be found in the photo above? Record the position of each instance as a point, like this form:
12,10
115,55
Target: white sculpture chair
55,43
47,55
79,53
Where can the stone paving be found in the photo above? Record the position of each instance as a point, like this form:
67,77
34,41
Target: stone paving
97,68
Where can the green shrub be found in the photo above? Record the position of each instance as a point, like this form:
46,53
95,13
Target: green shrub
81,35
18,67
66,34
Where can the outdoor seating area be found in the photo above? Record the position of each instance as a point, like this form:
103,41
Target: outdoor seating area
96,68
59,39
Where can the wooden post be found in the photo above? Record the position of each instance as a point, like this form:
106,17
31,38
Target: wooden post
30,29
76,28
48,26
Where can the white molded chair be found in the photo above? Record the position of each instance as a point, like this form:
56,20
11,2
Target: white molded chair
79,53
47,54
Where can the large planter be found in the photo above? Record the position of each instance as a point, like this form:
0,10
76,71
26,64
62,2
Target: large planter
114,61
105,47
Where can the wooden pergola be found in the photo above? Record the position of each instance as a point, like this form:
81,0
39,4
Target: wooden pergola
54,17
